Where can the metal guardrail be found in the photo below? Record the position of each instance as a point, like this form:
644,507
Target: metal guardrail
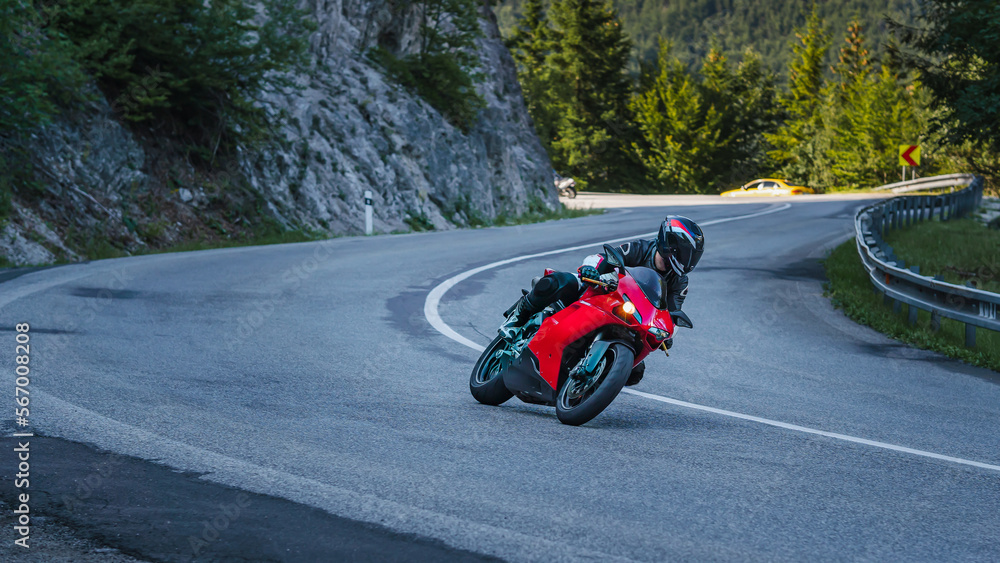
899,284
930,183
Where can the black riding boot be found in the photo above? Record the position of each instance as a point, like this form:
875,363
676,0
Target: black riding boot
520,313
551,288
636,375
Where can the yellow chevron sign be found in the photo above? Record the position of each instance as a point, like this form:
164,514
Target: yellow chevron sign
909,155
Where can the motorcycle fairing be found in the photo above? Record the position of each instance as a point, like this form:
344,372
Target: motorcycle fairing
567,326
522,379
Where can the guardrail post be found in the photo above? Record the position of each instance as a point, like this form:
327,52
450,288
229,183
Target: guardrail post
935,321
970,335
913,310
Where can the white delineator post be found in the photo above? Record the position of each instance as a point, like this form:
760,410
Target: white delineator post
368,212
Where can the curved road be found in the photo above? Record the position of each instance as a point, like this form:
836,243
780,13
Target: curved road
309,373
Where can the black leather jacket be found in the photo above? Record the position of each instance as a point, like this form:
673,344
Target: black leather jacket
640,253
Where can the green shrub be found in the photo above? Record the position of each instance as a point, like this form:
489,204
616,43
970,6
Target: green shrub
5,205
38,73
419,222
195,66
444,71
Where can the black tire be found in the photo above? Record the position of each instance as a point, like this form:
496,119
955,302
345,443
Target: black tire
576,406
486,382
570,193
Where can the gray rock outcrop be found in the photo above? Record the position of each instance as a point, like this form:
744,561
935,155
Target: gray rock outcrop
351,129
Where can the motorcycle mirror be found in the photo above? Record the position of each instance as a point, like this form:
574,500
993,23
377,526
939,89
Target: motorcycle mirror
614,255
681,319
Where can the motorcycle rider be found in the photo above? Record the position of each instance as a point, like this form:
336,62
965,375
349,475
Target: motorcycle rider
673,254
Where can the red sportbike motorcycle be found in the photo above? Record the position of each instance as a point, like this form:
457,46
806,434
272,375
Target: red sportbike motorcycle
578,357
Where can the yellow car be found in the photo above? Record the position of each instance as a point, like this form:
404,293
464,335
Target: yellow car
768,187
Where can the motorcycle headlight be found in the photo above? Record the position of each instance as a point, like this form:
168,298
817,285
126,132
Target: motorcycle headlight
659,334
627,312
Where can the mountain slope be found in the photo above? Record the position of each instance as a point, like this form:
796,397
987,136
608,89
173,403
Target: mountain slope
736,24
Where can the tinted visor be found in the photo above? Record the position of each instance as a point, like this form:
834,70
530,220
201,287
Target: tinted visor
688,257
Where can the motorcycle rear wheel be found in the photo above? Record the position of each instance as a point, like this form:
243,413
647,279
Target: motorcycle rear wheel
579,401
486,382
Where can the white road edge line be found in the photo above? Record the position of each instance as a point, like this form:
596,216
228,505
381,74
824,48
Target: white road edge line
433,301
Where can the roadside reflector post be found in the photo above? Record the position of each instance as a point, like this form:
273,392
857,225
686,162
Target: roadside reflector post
368,212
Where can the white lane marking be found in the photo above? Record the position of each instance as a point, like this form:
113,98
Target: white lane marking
806,430
434,318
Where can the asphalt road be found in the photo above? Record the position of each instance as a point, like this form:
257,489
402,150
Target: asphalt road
308,376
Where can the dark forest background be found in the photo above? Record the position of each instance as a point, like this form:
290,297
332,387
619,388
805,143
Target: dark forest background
701,96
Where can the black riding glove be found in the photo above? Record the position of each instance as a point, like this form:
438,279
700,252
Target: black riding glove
588,273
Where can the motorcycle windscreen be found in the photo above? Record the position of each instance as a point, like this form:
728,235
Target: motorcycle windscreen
652,285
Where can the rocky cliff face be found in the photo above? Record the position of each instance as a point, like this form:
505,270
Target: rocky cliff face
356,130
350,129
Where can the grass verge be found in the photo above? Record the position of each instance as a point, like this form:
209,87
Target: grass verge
98,248
538,212
260,240
959,251
850,289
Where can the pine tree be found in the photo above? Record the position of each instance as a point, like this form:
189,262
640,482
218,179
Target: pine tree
958,56
680,128
876,116
797,148
703,133
756,115
593,88
871,114
854,64
531,44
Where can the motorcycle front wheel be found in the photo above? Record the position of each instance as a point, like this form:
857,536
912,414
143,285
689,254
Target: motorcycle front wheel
568,192
580,400
486,382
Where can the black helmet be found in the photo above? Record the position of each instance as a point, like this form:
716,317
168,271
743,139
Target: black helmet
681,243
